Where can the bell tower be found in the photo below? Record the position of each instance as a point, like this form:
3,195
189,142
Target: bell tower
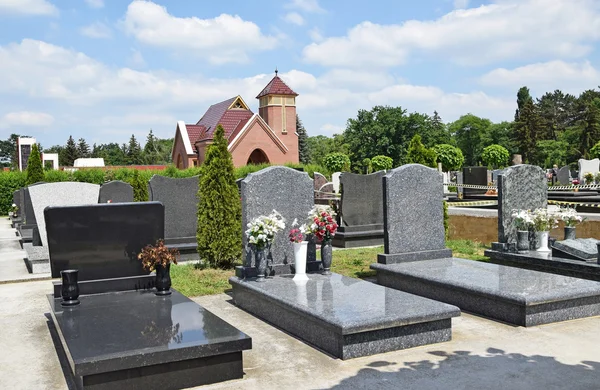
277,106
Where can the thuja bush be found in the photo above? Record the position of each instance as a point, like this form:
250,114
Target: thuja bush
219,208
94,176
35,171
9,183
140,187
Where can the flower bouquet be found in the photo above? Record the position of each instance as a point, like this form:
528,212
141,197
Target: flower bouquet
522,219
543,222
570,217
261,233
321,223
159,258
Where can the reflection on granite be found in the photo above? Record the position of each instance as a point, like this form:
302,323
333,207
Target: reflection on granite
130,329
579,248
515,295
334,312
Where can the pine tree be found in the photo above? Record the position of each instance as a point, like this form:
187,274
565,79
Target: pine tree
523,97
219,233
527,130
35,171
83,149
69,153
150,149
303,152
134,152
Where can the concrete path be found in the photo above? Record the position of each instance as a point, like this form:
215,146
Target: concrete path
12,265
483,354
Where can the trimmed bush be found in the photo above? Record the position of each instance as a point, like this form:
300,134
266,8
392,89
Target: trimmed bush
337,162
495,156
9,183
382,163
451,157
140,187
219,232
35,171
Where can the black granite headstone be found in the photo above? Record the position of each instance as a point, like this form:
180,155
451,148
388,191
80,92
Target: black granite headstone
102,241
17,200
475,176
116,192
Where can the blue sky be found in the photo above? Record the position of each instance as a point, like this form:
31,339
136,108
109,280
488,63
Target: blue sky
104,70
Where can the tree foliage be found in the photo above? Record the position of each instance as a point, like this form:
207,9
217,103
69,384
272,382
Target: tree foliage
69,153
303,153
337,162
495,156
219,208
450,156
381,163
419,154
35,171
83,149
468,132
133,152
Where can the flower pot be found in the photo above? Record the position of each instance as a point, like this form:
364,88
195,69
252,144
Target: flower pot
70,287
522,240
260,262
542,239
163,279
300,253
569,232
326,255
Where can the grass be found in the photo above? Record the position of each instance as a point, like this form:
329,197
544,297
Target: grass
192,281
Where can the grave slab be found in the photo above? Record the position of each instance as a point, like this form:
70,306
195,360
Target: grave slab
37,258
578,249
346,317
517,296
116,192
135,339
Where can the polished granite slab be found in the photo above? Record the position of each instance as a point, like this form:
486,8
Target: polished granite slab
344,316
514,295
136,339
546,262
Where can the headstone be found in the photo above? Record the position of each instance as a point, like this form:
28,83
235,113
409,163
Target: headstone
564,176
460,190
413,215
285,190
362,198
102,240
580,248
495,174
319,181
180,197
521,187
475,176
335,179
326,191
27,206
116,192
17,201
66,193
517,159
586,166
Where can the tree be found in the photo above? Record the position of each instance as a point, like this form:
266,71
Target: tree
35,171
499,134
111,153
69,153
150,153
337,162
419,154
450,156
8,150
83,149
495,156
303,153
134,152
468,131
557,111
551,152
526,132
140,187
523,98
381,163
219,207
588,121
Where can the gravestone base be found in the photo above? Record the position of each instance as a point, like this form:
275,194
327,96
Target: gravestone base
517,296
26,233
357,236
346,317
583,249
38,259
242,271
15,221
394,258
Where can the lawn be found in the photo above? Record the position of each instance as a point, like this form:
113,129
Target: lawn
193,281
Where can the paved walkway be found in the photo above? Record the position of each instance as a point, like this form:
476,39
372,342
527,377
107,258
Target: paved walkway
12,265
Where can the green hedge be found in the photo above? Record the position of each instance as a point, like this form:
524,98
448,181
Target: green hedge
9,183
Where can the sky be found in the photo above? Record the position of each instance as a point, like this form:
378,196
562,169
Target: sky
106,69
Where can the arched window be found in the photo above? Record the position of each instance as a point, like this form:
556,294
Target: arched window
257,157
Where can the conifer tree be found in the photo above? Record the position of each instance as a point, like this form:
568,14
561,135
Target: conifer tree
35,171
418,154
303,152
219,233
83,149
69,153
140,187
526,131
134,151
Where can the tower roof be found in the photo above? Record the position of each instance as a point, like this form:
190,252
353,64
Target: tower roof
276,87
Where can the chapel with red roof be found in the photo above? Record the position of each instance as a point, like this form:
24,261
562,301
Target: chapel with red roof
267,137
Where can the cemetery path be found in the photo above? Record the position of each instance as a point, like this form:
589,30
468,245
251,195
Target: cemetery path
482,354
12,265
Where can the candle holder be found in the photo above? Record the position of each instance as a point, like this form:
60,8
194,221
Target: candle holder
70,288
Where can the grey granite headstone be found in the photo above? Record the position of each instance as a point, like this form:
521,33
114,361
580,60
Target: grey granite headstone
116,191
326,191
495,174
475,176
564,176
180,198
413,215
286,190
66,193
579,248
362,198
520,187
586,166
319,181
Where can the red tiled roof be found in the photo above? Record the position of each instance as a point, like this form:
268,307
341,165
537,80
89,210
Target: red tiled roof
213,115
276,87
194,132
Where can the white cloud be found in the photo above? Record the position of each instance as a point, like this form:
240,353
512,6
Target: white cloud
95,3
330,129
136,60
97,30
459,4
294,18
223,39
305,5
506,29
28,7
546,76
26,118
315,34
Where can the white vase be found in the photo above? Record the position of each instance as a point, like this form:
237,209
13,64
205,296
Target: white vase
542,239
300,252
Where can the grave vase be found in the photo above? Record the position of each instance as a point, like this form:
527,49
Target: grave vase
260,262
163,279
326,254
569,232
300,253
522,240
70,287
542,239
